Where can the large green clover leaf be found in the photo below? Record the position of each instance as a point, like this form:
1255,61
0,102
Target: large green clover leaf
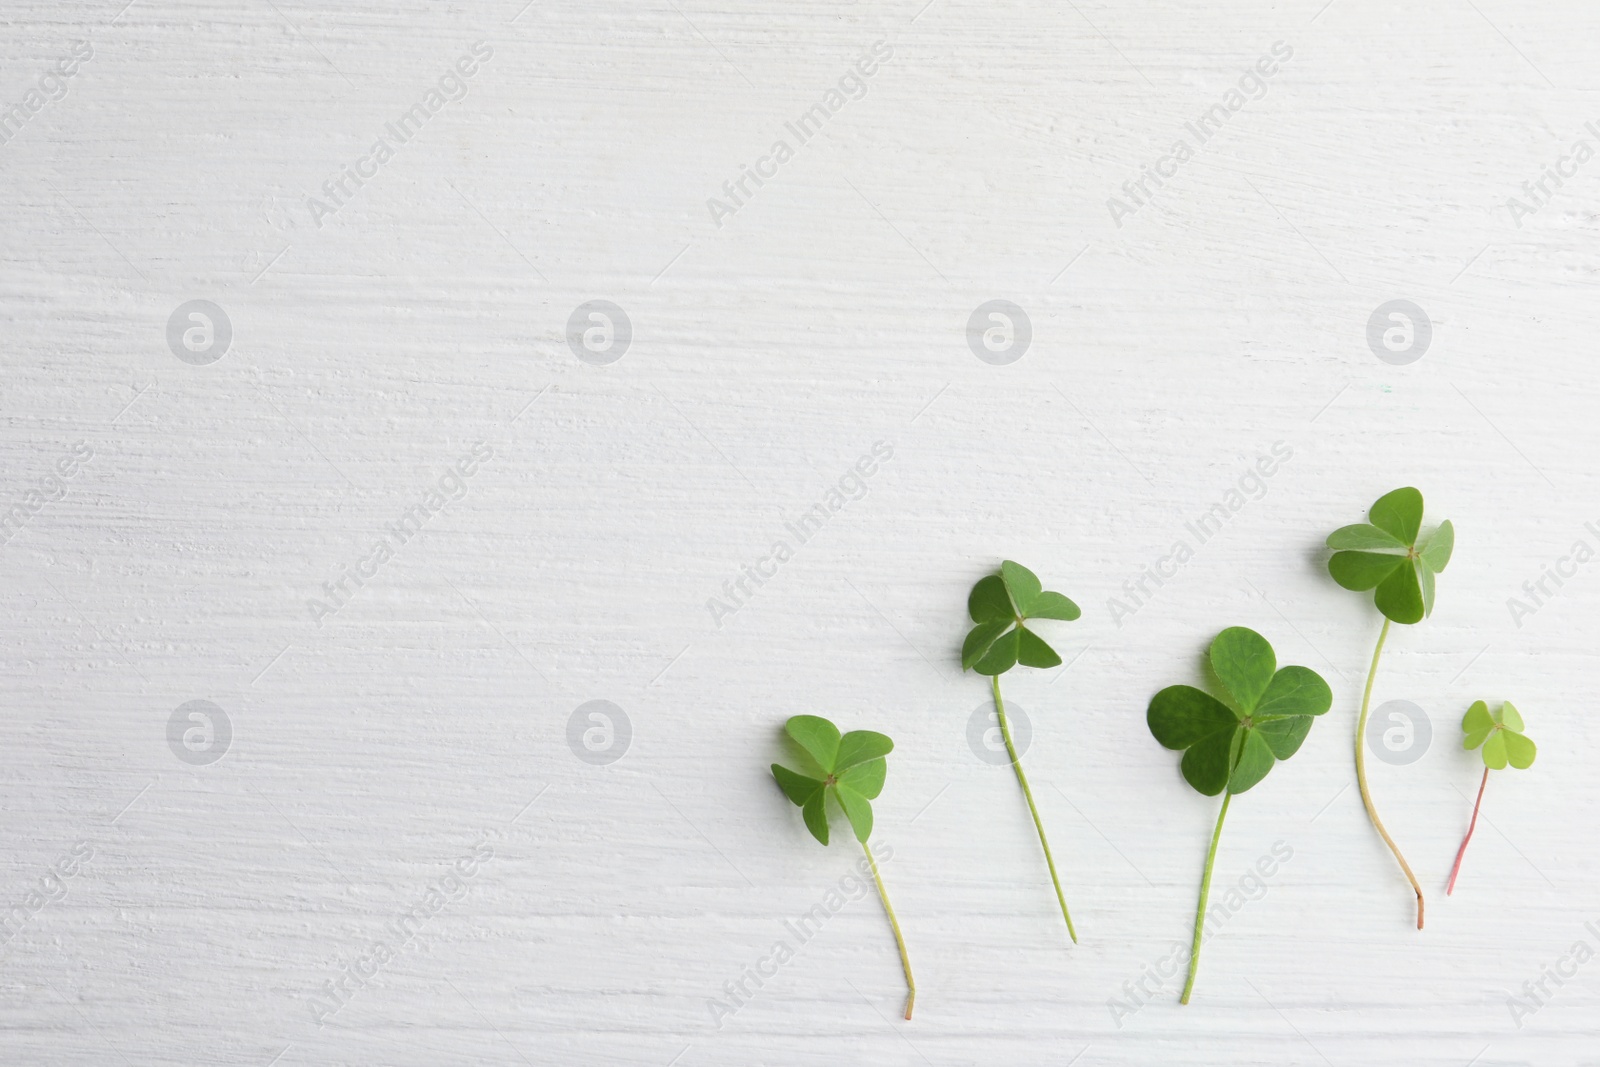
1387,556
1500,734
851,767
1000,605
1233,746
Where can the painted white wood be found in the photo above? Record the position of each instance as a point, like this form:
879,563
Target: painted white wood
419,725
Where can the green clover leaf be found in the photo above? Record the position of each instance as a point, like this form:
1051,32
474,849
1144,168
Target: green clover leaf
1390,556
1234,745
851,767
1500,734
1386,555
1000,605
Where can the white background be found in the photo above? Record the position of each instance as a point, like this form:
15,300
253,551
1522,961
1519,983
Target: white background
369,752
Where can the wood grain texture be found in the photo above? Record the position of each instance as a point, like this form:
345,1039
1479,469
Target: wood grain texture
426,720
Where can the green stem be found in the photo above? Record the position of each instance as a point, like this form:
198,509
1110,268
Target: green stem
1361,772
905,960
1022,779
1205,895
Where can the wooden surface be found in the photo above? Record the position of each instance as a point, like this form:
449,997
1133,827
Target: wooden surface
418,725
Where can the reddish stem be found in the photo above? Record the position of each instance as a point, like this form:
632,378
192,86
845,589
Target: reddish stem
1462,851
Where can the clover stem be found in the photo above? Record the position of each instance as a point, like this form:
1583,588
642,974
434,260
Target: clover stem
1205,895
1022,779
1473,825
905,960
1361,772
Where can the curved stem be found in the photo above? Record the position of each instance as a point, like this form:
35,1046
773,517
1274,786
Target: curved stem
1022,779
1205,895
1473,825
1361,772
905,960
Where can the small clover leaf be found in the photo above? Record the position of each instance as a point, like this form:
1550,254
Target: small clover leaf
1499,736
852,768
1234,747
1386,555
1001,605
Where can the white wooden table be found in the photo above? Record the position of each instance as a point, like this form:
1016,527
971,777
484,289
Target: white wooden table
397,524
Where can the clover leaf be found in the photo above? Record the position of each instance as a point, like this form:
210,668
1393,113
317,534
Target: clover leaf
1498,734
851,768
1233,745
1001,605
1389,555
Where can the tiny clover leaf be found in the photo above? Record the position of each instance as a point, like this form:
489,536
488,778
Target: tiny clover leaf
1500,735
1234,745
1000,605
850,766
1389,555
